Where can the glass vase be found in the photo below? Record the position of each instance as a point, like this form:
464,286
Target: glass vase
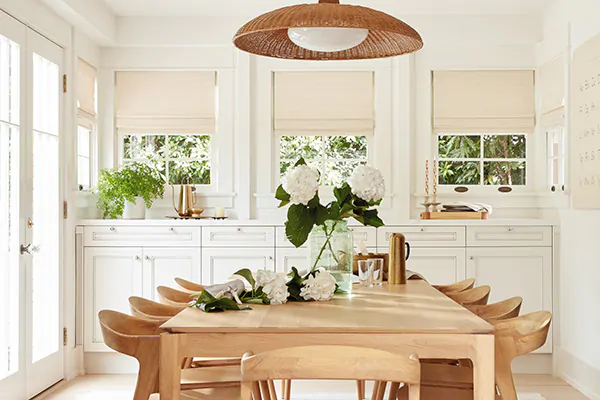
331,246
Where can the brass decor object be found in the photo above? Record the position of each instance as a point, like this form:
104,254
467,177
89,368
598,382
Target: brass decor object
267,34
399,253
187,200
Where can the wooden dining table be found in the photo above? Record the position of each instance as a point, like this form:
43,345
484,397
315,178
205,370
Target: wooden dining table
399,318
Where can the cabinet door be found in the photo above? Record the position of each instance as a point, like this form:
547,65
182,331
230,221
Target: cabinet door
288,258
219,264
111,275
515,271
163,265
440,266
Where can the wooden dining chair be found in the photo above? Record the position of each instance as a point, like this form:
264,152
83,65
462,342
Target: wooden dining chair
506,309
189,286
456,287
472,297
513,337
140,338
148,309
328,363
173,297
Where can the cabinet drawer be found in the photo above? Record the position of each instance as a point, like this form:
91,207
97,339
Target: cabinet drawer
424,236
367,234
147,236
242,236
502,236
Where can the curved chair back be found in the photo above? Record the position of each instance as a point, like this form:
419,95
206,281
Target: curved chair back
173,297
472,297
189,286
528,333
148,309
326,362
509,308
126,334
456,287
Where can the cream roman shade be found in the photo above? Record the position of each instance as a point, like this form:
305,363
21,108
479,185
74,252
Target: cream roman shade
552,76
86,90
323,103
169,102
483,101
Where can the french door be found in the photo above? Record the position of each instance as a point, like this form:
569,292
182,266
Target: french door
31,348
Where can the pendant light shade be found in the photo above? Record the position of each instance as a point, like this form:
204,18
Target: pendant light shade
327,31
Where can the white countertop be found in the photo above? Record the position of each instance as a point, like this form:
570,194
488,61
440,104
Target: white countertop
236,222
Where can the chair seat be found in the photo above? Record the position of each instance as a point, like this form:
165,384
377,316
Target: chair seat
216,362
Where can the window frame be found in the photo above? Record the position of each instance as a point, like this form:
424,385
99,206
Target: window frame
210,188
87,123
277,156
481,187
561,157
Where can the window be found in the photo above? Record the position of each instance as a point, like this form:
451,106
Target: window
480,159
87,122
334,156
556,158
181,159
84,157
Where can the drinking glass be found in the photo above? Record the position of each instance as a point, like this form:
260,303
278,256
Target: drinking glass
376,271
365,272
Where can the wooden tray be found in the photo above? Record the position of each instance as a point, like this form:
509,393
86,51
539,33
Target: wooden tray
454,215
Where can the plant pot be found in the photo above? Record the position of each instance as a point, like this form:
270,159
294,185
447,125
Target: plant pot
135,210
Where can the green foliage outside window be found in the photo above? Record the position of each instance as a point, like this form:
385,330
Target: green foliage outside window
178,158
482,159
334,156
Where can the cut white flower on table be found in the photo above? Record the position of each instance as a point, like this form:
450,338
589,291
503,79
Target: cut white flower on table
301,183
367,183
319,286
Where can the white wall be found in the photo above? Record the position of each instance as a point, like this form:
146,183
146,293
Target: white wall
578,355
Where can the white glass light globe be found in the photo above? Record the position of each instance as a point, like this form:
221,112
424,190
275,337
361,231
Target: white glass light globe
327,39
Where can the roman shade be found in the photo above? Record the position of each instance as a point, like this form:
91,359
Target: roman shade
552,76
166,102
86,90
323,103
483,101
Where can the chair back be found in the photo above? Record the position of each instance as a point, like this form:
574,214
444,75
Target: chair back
456,287
526,333
328,363
148,309
173,297
189,286
126,334
506,309
472,297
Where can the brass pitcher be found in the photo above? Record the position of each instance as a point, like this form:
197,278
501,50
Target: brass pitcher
187,200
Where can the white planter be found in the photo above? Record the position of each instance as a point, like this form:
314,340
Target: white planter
135,210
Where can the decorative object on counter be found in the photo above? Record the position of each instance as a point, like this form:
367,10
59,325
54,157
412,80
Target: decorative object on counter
134,183
190,217
370,272
429,203
368,256
460,210
219,213
197,212
327,31
399,254
187,200
331,242
434,202
266,287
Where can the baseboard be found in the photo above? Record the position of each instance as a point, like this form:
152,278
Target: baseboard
578,374
538,364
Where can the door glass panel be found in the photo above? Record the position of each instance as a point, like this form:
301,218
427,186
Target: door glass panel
46,209
9,206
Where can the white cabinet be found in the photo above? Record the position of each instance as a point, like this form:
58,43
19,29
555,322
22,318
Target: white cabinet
513,236
440,266
162,265
111,276
287,258
219,264
133,236
242,236
424,236
515,271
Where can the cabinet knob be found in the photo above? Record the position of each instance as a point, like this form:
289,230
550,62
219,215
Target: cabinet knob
422,229
171,229
239,229
510,229
112,229
270,258
137,258
471,258
148,258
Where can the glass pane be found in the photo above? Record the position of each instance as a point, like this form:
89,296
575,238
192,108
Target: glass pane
9,81
144,146
457,146
9,249
294,147
555,172
504,173
83,172
336,173
46,209
190,172
189,146
504,146
459,173
83,141
348,147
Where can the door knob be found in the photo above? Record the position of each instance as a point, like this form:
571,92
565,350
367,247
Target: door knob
29,249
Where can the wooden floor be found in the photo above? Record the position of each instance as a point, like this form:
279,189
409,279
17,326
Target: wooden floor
120,387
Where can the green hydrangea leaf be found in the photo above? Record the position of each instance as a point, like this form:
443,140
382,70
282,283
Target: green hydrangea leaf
299,224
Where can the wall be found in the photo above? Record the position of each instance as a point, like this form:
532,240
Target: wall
567,25
493,42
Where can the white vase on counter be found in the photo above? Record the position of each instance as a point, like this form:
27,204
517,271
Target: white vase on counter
135,210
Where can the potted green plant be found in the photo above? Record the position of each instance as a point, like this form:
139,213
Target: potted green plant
127,191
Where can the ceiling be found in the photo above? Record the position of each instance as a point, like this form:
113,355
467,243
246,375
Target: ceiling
253,7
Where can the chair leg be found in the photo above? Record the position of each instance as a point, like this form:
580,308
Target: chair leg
272,391
265,389
505,382
381,390
394,387
247,391
375,390
360,390
286,389
255,391
147,382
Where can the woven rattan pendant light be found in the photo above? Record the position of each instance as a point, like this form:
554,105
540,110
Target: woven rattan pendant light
267,34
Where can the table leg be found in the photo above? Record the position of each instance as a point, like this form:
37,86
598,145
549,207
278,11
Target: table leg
484,382
170,367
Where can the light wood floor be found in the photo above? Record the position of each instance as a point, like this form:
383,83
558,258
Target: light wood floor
120,387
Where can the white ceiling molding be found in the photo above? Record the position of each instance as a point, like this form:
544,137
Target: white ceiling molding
92,17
